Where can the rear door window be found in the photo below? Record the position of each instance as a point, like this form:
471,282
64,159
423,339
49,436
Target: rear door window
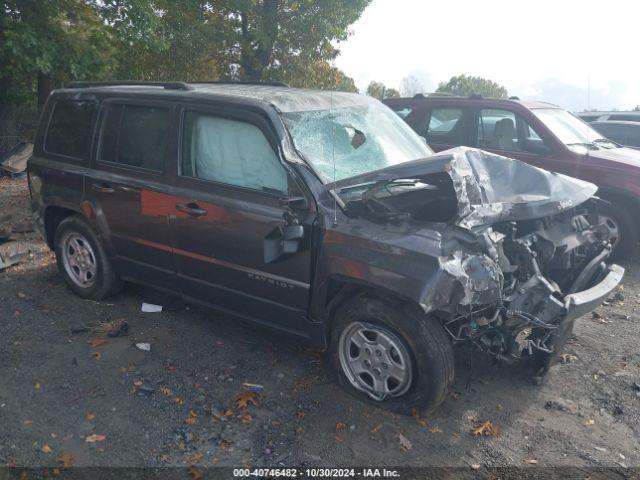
70,128
445,125
135,136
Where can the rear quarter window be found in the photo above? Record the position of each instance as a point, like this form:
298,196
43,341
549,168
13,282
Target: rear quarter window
70,128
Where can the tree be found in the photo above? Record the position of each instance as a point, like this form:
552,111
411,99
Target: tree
262,37
637,109
410,86
463,85
320,74
44,43
380,91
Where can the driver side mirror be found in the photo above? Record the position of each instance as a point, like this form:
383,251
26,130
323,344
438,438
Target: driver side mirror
283,240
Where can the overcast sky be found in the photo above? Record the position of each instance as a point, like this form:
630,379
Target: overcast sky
544,49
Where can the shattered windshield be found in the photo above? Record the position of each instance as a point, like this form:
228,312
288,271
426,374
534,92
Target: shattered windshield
572,131
343,142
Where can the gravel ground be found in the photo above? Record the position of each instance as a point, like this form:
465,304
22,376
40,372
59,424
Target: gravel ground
93,400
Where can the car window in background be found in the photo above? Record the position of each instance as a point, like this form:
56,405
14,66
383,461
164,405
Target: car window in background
229,151
571,130
445,126
403,112
443,120
70,128
497,130
135,136
633,135
612,132
505,130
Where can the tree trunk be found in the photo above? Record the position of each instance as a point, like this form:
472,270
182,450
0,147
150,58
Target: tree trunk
254,59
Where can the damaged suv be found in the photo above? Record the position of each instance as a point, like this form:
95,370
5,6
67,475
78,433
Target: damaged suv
323,215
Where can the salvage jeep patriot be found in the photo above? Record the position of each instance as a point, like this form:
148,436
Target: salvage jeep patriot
321,214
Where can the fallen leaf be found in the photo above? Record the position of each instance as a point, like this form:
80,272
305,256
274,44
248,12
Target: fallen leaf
138,383
246,419
55,472
190,421
66,459
339,439
228,413
96,355
341,427
99,342
600,449
376,429
405,443
485,428
532,461
301,383
94,438
195,457
178,400
568,358
419,420
22,295
475,466
591,421
166,391
194,473
46,449
245,398
90,416
37,386
435,430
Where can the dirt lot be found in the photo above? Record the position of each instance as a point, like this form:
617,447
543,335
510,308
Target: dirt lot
109,403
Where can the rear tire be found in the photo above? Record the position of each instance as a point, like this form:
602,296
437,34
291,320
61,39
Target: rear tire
411,343
82,261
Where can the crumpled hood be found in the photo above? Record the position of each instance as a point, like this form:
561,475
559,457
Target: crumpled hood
490,188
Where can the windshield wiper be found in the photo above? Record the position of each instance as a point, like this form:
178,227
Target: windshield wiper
589,145
606,140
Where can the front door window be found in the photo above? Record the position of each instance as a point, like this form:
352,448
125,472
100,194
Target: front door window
505,131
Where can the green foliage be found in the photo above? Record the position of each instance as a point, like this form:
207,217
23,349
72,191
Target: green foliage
464,85
380,91
46,43
49,39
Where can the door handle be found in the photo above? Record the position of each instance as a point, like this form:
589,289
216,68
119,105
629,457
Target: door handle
192,209
102,188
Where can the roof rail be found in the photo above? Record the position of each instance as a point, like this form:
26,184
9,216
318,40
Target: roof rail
271,83
419,95
514,98
166,85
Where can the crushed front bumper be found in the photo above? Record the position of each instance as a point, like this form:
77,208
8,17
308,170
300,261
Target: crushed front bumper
581,303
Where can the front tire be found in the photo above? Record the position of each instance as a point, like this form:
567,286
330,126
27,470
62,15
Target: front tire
391,355
82,261
622,229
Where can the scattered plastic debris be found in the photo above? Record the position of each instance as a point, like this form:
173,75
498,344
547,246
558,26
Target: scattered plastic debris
143,346
151,308
253,387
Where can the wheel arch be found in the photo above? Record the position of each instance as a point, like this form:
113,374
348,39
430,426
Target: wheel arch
53,215
341,289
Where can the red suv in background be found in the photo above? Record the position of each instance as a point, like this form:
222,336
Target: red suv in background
543,135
